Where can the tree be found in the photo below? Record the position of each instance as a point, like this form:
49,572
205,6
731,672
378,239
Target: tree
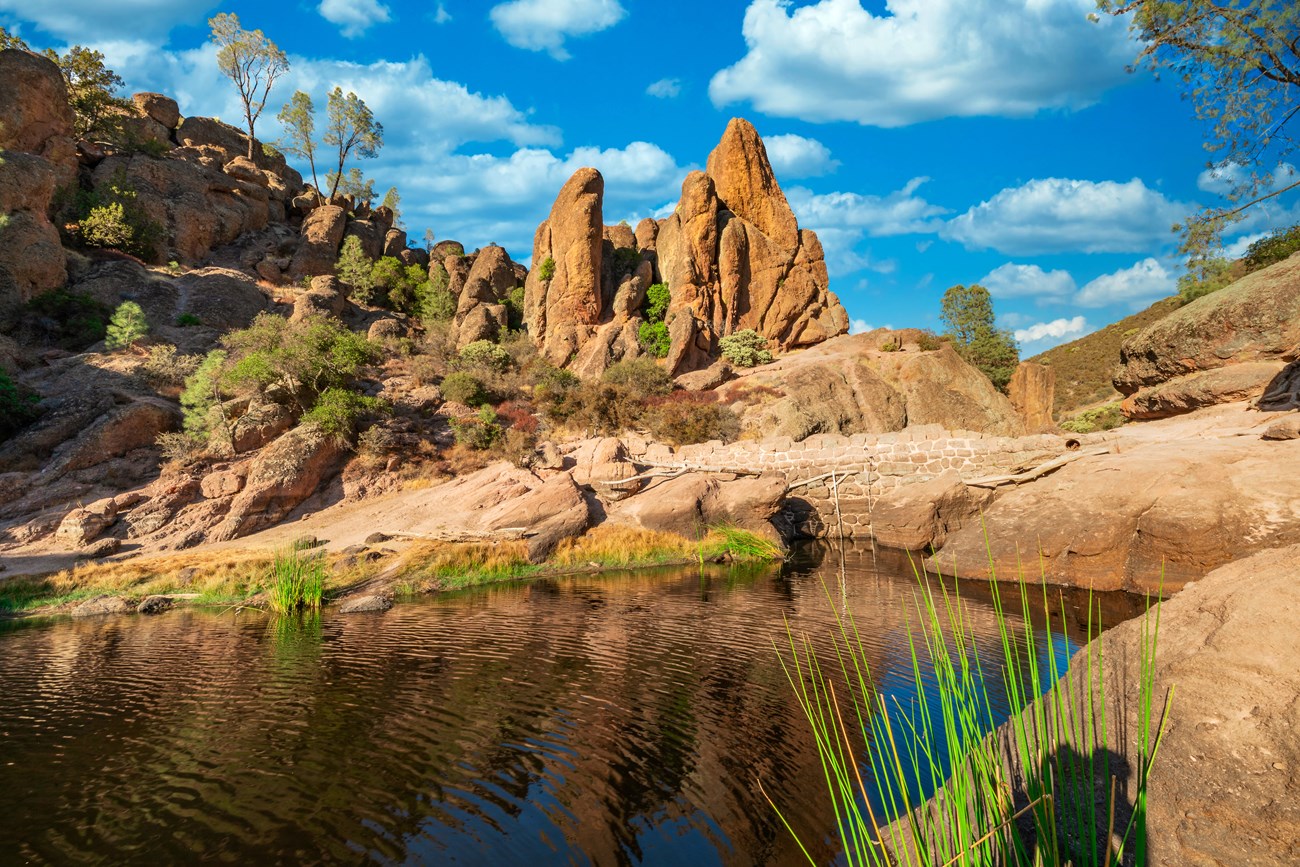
92,89
298,117
1239,64
127,325
968,313
350,127
393,202
251,61
10,40
354,184
356,269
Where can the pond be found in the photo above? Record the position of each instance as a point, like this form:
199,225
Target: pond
619,718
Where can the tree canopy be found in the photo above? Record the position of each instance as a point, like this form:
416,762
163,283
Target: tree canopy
252,61
298,117
350,126
1238,62
968,313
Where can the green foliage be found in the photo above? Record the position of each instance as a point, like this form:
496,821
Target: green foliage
109,216
202,396
350,127
515,308
106,226
483,355
891,346
654,338
657,298
64,318
929,341
683,418
393,202
356,269
354,184
271,152
339,411
251,61
92,89
463,387
641,378
296,583
18,407
480,432
1213,274
1277,245
551,384
166,367
626,260
304,358
127,325
298,119
1096,419
743,545
1237,63
546,270
968,313
188,320
9,40
745,348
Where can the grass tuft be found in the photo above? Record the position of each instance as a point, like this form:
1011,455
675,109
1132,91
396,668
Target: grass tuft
295,583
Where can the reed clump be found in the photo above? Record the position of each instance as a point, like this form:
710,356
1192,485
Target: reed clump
1023,796
296,582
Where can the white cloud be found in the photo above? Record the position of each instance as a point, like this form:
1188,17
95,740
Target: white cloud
1236,249
793,156
1225,177
843,220
1027,281
543,25
1055,215
859,326
441,15
82,20
926,59
1056,330
665,88
354,17
1133,287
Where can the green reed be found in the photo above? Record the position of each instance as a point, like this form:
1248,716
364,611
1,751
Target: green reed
296,582
1020,796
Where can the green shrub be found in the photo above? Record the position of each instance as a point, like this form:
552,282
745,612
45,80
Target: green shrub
165,367
654,339
109,216
355,268
626,260
188,320
202,397
655,306
1276,246
929,341
127,325
463,387
484,355
1210,276
551,384
640,378
1096,419
18,407
106,226
339,411
480,432
546,270
304,358
745,348
63,318
891,346
515,308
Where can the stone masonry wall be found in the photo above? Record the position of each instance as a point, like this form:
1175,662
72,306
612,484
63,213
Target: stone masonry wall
868,466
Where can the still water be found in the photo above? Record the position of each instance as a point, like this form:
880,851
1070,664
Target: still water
622,718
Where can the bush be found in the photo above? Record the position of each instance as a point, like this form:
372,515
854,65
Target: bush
546,270
480,432
518,446
517,415
640,378
463,387
339,411
552,384
745,348
929,341
354,268
127,325
18,407
304,357
106,226
484,355
181,449
1211,276
683,418
1096,419
109,216
891,346
515,308
654,339
165,367
62,318
626,260
188,320
1278,245
655,306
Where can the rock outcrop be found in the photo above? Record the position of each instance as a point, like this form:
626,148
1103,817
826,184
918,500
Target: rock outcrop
322,235
1032,391
35,117
481,312
1254,320
734,258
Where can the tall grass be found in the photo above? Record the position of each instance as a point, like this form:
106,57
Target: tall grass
1021,796
295,582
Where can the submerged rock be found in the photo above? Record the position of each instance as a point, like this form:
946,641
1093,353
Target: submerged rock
362,604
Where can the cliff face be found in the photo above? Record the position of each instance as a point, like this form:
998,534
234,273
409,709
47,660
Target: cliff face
732,255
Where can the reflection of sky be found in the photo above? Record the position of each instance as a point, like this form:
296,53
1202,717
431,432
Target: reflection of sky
605,719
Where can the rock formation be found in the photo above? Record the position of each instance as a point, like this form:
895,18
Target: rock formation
1033,393
481,312
1254,321
732,255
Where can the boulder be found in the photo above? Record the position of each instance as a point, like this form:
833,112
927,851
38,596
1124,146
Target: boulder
919,517
281,477
386,329
101,605
222,298
318,302
138,131
124,429
35,117
480,313
744,180
562,311
32,259
222,484
688,505
1032,391
708,378
244,169
394,242
161,109
372,602
550,513
154,605
414,256
260,424
322,235
1256,319
1182,394
101,549
1286,429
369,233
82,526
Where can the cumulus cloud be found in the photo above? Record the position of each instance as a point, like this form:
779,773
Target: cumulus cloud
665,88
794,156
1133,287
1027,281
354,17
543,25
1225,177
861,326
441,15
844,220
1057,329
1056,215
923,59
80,20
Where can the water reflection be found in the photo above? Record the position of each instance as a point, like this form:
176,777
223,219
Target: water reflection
610,719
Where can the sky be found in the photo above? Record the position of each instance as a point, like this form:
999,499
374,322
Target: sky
928,142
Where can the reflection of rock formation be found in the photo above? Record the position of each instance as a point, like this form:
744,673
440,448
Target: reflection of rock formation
732,255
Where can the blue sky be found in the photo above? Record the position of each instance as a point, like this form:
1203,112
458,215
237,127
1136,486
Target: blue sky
929,142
